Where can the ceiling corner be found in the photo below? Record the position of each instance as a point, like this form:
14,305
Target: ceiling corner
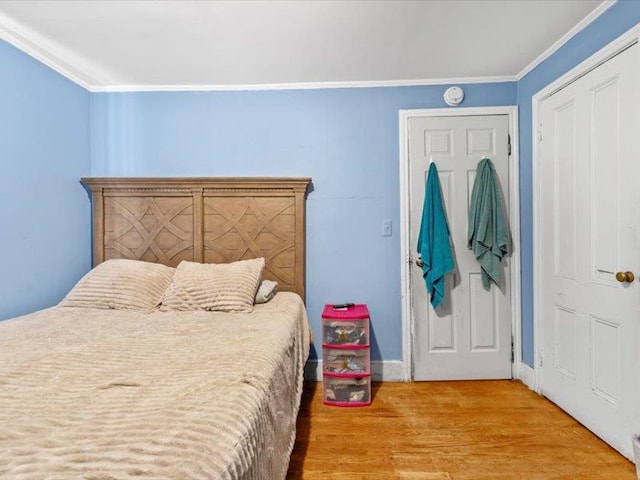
581,25
43,50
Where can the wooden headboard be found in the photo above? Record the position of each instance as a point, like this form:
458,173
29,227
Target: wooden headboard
211,220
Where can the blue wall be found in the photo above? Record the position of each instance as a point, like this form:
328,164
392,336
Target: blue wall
44,211
614,22
345,139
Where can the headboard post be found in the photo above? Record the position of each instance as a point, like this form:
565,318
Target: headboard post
212,220
198,225
98,226
300,236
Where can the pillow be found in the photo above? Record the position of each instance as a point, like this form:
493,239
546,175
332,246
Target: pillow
266,291
224,287
121,284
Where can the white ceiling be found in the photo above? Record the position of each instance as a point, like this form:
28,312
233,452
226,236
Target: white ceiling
155,44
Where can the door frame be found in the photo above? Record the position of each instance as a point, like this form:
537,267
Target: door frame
624,41
406,252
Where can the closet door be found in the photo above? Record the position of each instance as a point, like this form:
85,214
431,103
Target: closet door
469,335
590,239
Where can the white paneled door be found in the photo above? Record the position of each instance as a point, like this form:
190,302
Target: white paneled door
590,245
469,335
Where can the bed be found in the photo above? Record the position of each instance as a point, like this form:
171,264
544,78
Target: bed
116,393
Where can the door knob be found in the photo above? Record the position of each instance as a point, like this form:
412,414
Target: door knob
419,262
625,277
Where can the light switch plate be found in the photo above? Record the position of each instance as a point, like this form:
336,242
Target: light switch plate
386,228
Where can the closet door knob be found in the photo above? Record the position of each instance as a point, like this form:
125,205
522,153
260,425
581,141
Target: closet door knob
625,277
419,262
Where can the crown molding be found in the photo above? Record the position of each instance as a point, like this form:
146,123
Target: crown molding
300,85
42,50
581,25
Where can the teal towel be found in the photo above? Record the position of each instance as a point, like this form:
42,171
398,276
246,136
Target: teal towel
433,242
488,234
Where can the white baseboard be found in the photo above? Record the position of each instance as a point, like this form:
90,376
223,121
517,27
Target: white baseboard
394,371
381,371
527,375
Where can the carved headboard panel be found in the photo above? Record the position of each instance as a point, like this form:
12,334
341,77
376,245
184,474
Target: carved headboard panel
213,220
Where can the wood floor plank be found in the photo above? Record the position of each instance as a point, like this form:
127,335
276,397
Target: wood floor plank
475,430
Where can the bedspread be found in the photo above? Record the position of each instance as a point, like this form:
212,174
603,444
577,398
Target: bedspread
103,394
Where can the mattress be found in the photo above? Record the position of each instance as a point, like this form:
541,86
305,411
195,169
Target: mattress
105,394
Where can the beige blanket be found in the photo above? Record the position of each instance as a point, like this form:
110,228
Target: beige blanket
103,394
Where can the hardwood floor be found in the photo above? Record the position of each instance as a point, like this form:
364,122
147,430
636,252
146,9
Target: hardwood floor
448,431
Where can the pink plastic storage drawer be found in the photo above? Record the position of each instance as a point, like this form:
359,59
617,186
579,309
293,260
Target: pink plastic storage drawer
345,327
346,360
347,392
357,311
